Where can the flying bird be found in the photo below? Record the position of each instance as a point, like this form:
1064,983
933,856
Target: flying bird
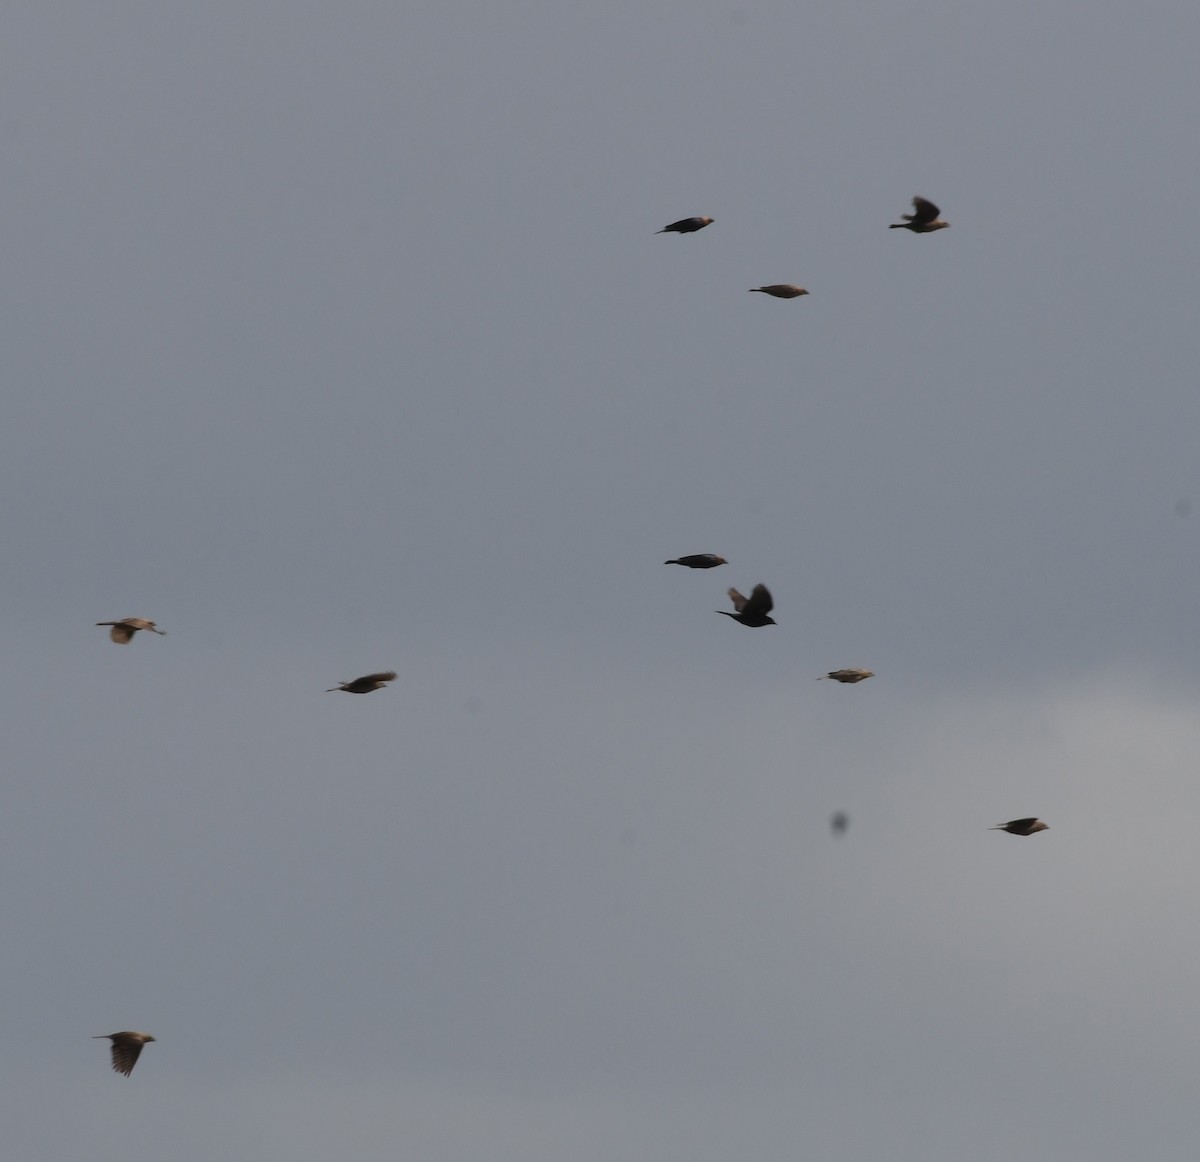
1021,826
752,610
685,226
699,561
848,675
923,220
122,631
365,684
780,290
125,1049
839,824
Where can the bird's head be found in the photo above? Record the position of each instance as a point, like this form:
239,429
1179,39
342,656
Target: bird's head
768,620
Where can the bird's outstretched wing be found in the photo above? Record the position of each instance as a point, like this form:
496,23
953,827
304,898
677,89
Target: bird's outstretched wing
739,601
124,1056
759,602
126,1048
924,212
389,676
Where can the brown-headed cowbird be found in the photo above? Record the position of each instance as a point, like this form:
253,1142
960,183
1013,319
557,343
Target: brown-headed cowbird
1021,826
699,561
122,631
848,675
685,226
780,290
125,1049
365,684
752,610
923,220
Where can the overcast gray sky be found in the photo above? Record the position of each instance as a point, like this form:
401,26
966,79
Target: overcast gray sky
337,338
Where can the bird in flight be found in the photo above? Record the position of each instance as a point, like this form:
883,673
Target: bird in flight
125,1049
122,631
1022,826
685,226
365,684
923,220
752,610
699,561
839,823
780,290
848,675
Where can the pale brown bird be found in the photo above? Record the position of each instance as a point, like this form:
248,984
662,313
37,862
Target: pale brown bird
122,631
923,220
780,290
125,1049
848,675
365,684
699,561
752,610
1021,826
685,226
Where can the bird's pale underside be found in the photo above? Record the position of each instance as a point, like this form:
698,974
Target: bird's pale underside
126,1048
924,219
780,290
1028,826
752,610
365,684
122,631
685,226
699,561
848,675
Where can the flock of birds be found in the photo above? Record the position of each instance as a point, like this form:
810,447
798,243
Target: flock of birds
753,611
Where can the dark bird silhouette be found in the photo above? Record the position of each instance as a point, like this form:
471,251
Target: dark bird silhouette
848,675
752,610
923,220
122,631
699,561
365,684
839,824
780,290
685,226
125,1049
1021,826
